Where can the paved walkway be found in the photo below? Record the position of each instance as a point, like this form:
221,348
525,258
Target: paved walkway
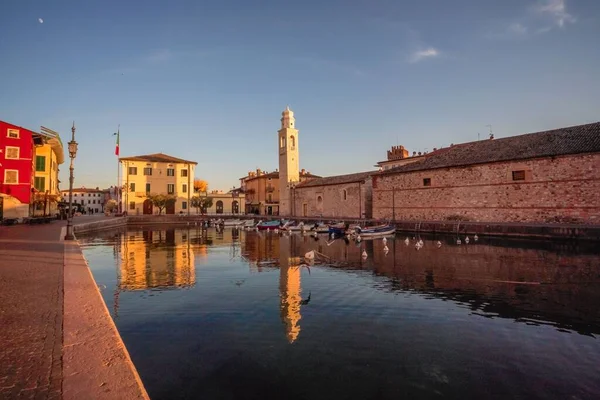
31,306
57,340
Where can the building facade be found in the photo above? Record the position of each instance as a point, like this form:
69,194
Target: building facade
223,203
550,176
156,174
49,155
262,190
91,200
16,170
342,196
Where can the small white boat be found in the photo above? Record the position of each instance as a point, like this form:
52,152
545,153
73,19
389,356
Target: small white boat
376,230
296,227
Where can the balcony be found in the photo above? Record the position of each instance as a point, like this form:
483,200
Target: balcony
270,189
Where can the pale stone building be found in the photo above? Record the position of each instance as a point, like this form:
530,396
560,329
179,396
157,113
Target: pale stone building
224,203
156,174
91,200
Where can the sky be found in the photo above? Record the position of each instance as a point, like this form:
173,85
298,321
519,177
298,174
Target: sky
207,80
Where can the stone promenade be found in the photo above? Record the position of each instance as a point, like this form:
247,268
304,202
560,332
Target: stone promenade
45,287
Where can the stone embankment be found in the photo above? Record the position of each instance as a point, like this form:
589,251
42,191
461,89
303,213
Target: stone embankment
500,229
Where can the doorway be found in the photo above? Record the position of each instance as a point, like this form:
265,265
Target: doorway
147,207
170,208
305,210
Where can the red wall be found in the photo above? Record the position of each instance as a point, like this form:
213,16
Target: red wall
24,164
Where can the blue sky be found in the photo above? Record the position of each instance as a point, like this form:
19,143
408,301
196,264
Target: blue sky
207,80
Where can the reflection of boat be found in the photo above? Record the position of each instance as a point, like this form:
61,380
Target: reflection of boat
248,222
380,230
267,225
320,228
338,229
232,222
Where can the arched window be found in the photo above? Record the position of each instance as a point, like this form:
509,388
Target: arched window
319,199
292,142
282,141
235,207
219,207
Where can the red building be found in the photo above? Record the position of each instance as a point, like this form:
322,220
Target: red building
16,162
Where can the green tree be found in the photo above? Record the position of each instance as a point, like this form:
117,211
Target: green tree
207,203
196,202
161,201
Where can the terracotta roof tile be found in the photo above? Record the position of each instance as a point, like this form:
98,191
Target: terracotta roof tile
158,157
336,180
557,142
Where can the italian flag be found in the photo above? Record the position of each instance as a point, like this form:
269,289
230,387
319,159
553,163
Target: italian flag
117,146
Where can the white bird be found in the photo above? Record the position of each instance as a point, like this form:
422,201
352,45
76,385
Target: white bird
467,240
475,238
310,255
332,235
384,240
406,241
364,254
418,245
458,241
420,242
41,21
439,244
385,248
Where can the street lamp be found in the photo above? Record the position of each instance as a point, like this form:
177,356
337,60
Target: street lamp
72,154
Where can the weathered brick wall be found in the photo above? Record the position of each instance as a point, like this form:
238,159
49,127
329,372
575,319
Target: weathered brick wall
358,200
563,188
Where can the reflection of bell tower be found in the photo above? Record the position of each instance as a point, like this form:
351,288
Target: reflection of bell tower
289,162
289,291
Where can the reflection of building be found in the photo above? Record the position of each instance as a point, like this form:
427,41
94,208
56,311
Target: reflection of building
289,290
156,258
156,174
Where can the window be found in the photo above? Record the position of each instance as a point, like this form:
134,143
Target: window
270,199
184,205
518,175
282,141
89,195
184,189
170,188
147,188
292,142
345,194
132,187
12,133
170,171
132,170
132,205
319,199
426,181
39,183
12,152
40,163
94,201
219,207
148,171
184,173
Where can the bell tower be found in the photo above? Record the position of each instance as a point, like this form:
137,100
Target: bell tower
289,162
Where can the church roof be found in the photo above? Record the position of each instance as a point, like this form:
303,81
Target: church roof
557,142
337,180
158,157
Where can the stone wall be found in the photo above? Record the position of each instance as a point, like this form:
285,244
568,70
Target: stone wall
332,204
555,189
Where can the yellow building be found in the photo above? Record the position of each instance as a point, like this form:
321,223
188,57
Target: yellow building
49,154
156,174
226,203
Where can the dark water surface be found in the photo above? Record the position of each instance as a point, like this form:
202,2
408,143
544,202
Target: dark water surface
232,315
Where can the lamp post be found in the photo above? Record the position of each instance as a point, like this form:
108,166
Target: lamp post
72,154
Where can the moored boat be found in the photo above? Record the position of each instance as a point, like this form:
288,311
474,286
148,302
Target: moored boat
269,225
380,230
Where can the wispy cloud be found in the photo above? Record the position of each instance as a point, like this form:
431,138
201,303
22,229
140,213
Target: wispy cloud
517,29
556,10
424,54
